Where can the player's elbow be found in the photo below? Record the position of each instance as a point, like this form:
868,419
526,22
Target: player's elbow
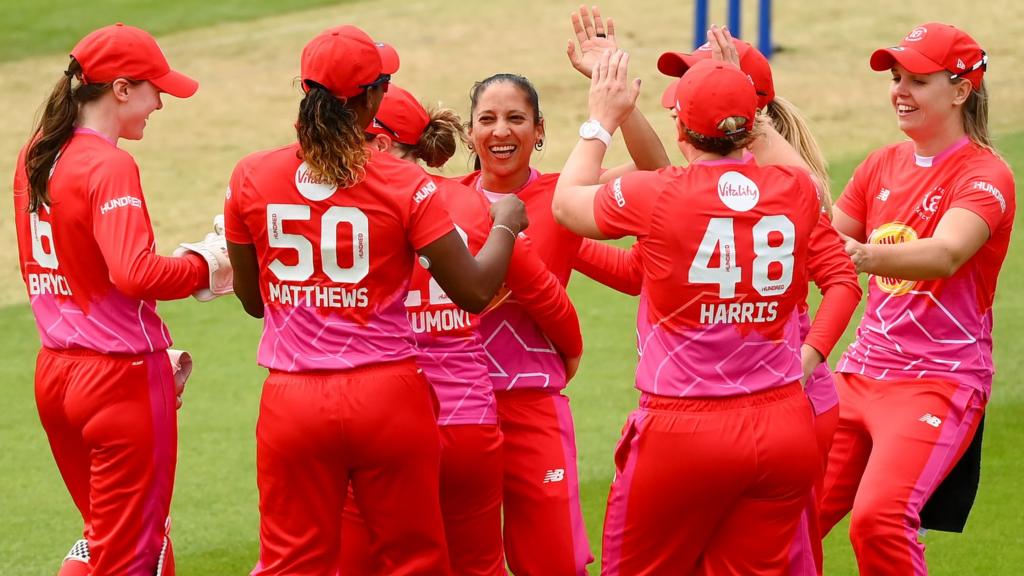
129,285
473,301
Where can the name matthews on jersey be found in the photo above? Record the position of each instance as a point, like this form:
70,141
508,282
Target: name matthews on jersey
318,296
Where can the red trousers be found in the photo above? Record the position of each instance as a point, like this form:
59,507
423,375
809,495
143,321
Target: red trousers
805,555
543,532
710,486
896,441
112,427
471,470
372,426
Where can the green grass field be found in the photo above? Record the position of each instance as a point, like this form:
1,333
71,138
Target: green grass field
215,513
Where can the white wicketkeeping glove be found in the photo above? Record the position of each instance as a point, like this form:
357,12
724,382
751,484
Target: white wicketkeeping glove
214,249
181,364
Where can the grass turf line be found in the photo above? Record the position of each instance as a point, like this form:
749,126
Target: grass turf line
31,27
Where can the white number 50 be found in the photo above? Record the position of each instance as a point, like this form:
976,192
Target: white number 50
278,214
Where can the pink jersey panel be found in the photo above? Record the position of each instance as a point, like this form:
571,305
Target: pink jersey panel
921,334
518,353
116,324
691,363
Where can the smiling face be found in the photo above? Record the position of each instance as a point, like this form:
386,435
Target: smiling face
138,101
928,106
504,132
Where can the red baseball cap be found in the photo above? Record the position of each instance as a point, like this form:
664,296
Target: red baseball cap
933,47
668,97
712,91
346,61
120,51
400,116
751,61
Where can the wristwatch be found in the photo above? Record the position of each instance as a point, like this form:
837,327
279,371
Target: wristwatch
592,130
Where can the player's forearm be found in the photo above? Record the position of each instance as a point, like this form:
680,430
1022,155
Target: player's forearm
642,142
573,202
545,300
615,267
149,276
923,259
837,308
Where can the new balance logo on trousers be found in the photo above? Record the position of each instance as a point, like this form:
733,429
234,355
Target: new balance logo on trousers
556,475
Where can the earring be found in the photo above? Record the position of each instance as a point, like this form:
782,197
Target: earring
469,146
538,145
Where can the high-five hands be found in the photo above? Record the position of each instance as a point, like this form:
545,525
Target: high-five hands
612,95
593,38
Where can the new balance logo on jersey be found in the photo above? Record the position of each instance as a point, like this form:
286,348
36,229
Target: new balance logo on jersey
121,202
933,421
883,194
556,475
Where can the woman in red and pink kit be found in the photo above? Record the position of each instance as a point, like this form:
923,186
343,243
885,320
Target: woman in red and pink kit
930,220
828,266
543,521
715,466
104,384
451,352
323,234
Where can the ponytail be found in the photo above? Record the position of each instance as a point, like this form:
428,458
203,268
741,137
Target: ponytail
975,118
440,139
792,125
332,142
54,129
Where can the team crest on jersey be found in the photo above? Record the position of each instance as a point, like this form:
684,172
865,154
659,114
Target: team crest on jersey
737,191
311,186
893,233
930,203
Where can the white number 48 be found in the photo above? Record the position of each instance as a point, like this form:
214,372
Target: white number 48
720,234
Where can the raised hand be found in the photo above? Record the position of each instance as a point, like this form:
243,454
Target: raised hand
593,38
612,95
722,46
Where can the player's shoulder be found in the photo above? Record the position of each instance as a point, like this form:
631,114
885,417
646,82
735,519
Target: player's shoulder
271,158
981,161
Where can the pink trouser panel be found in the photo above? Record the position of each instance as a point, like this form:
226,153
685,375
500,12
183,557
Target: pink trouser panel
112,426
895,443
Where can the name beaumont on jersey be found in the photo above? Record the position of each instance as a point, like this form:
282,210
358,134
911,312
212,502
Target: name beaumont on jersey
444,320
318,296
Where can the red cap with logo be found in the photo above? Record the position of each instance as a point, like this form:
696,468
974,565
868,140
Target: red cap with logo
934,47
712,91
400,116
346,61
120,51
751,61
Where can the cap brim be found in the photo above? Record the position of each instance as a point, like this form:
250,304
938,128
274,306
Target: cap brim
916,63
668,97
176,84
676,63
388,58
